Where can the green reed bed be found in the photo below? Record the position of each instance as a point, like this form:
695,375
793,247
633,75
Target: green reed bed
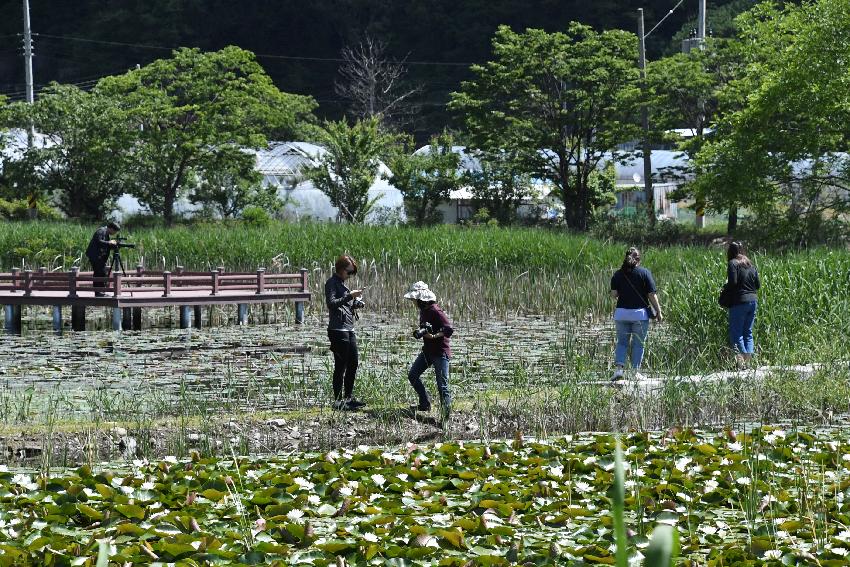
500,272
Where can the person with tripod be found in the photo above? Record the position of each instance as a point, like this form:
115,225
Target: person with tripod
101,243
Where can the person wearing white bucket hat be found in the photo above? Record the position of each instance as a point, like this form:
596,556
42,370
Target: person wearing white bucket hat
434,330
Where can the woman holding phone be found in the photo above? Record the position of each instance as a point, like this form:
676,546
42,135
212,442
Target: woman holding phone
342,305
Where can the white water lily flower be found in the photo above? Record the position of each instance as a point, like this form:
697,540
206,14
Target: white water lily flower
303,483
581,486
314,499
743,481
378,479
845,457
842,551
346,491
773,554
724,462
369,536
147,486
843,535
734,446
170,459
402,477
708,530
782,535
710,485
682,463
4,468
294,514
556,471
683,496
639,472
25,481
590,460
375,496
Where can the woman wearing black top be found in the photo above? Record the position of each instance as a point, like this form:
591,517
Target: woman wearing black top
743,279
341,305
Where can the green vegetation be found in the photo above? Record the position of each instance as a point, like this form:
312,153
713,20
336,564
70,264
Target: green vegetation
734,497
495,271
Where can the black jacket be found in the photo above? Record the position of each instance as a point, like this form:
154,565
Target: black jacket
98,249
339,301
744,280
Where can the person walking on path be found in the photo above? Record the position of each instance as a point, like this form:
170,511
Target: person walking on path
342,305
434,329
637,302
742,284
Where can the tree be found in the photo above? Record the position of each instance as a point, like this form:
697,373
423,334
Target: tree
425,179
373,84
228,190
785,146
558,101
349,165
194,112
83,157
498,186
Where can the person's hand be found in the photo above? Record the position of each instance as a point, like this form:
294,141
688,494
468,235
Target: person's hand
113,242
660,318
355,293
431,336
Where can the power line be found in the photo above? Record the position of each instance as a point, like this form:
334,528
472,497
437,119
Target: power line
258,55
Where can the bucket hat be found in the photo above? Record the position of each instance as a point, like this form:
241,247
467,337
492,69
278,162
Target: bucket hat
420,291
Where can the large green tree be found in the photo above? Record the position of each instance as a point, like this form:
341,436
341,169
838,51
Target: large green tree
350,165
498,186
81,158
193,113
425,179
785,147
558,101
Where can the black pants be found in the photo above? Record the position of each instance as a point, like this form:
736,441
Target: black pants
99,269
344,348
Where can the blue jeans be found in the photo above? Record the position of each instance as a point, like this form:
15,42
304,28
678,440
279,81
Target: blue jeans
633,332
741,319
441,372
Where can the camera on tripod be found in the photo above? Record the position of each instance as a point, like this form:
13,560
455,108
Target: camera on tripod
122,244
422,331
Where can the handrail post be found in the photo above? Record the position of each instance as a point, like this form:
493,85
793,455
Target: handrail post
15,273
261,280
72,281
27,282
116,281
303,279
215,276
41,271
166,276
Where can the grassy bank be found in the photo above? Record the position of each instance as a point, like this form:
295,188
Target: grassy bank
498,272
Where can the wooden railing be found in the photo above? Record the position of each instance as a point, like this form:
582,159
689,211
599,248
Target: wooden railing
167,283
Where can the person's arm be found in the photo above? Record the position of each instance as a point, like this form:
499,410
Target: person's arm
732,274
757,280
614,293
653,300
334,300
445,326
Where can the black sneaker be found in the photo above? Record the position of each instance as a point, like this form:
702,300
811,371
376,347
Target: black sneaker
355,403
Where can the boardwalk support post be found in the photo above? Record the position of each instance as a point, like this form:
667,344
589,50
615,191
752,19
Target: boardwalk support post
299,305
13,319
242,317
196,320
184,316
137,318
57,319
78,317
126,318
116,318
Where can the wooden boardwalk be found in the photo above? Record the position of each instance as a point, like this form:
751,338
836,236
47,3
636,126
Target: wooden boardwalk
128,292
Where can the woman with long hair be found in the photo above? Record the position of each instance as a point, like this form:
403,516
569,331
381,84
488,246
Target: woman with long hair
342,304
742,282
634,289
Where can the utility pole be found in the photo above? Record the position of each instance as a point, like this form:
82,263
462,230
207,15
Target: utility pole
700,202
32,208
28,52
647,156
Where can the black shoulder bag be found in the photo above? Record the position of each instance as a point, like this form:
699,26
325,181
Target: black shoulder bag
649,309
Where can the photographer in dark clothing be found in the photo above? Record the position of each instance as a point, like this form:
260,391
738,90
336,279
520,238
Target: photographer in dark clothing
98,251
342,304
